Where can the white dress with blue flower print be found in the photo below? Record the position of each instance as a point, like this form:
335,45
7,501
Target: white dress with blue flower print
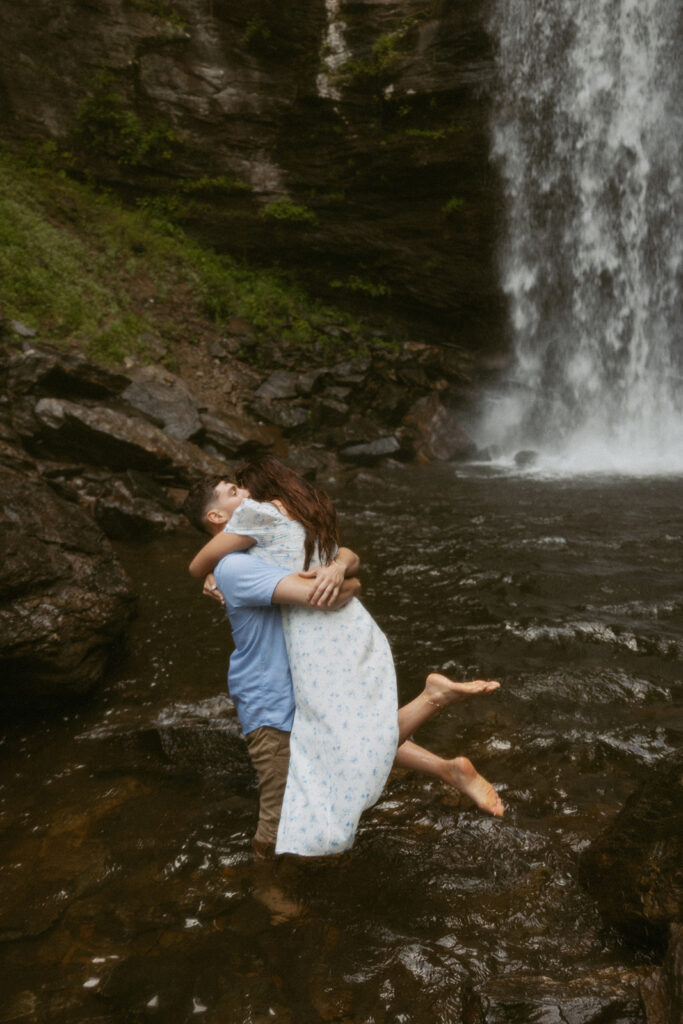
345,730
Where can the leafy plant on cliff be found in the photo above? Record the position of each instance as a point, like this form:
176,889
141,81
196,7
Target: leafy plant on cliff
385,54
454,205
106,123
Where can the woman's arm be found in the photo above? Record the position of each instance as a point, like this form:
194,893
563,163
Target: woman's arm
206,560
329,578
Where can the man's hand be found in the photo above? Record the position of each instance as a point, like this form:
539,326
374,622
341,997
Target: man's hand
328,582
293,589
210,589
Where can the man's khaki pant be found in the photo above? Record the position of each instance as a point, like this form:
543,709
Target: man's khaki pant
269,752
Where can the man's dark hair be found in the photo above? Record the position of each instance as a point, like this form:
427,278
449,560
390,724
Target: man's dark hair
199,499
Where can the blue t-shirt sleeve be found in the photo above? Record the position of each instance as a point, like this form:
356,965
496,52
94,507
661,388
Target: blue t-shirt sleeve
246,581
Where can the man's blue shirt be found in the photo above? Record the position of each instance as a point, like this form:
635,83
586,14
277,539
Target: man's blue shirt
259,680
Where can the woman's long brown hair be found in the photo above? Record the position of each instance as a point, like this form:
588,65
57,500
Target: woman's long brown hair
268,479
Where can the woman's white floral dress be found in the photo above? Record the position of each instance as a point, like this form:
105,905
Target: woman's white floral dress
345,730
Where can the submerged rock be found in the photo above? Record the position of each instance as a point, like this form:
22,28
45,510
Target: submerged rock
203,738
612,994
370,453
525,458
436,433
64,598
635,869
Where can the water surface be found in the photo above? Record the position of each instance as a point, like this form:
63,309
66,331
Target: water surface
128,888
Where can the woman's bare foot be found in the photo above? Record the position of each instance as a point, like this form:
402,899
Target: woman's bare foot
441,691
463,776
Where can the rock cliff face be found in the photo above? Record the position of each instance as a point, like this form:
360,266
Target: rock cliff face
347,140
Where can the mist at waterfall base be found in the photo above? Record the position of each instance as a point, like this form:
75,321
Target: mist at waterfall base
587,137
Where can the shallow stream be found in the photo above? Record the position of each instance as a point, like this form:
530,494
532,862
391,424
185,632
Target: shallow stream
128,888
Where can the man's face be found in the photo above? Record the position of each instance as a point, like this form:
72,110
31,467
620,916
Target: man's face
228,496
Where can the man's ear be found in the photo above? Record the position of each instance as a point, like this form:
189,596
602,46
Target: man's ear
215,517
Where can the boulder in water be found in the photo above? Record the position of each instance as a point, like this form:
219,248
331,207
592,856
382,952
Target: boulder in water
64,598
436,432
525,458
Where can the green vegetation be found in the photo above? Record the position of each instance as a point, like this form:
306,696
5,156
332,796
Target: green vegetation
283,209
353,283
160,10
434,134
105,123
256,33
386,52
454,204
85,270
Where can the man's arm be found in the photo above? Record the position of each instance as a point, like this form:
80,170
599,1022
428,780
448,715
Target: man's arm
293,589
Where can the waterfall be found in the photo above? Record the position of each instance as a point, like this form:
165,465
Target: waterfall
587,135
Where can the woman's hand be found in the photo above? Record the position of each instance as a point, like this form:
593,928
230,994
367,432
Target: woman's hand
211,590
328,581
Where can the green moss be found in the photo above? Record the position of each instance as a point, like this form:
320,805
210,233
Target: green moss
256,33
435,134
454,204
354,283
283,209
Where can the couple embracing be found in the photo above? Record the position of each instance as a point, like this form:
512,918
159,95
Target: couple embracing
312,675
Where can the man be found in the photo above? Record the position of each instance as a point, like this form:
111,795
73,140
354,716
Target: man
259,679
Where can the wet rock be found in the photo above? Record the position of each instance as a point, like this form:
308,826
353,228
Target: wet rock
328,410
387,399
130,506
61,374
105,437
435,431
203,738
662,989
612,994
288,417
284,384
635,869
525,458
352,372
370,453
356,430
22,330
64,598
164,398
314,463
235,435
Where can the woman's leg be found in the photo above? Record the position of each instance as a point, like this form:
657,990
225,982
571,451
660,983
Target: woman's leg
459,773
438,693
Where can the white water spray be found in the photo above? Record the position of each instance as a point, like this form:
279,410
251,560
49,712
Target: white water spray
588,138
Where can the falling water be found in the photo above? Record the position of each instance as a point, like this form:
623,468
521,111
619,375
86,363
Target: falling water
588,136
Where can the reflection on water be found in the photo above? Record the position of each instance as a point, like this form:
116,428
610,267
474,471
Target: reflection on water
128,891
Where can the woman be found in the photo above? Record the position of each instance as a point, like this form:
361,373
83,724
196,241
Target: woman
347,725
